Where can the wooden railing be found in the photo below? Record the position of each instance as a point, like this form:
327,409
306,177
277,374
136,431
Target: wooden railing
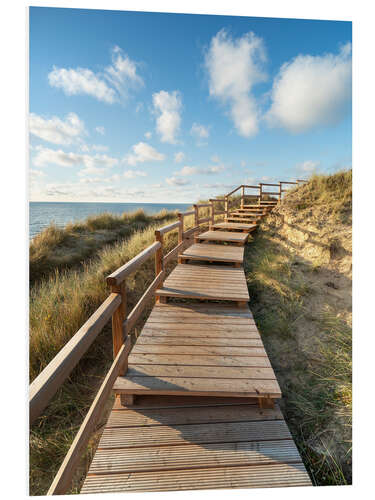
115,307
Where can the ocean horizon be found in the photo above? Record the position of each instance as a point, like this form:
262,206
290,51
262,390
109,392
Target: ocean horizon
43,213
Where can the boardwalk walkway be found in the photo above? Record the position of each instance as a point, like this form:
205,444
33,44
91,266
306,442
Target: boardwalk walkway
195,396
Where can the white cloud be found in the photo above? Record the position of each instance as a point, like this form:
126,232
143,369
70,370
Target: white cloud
167,106
56,130
133,174
143,152
35,175
176,181
187,170
311,91
307,167
100,130
122,74
108,87
179,157
234,67
81,81
99,147
215,159
200,131
148,135
93,164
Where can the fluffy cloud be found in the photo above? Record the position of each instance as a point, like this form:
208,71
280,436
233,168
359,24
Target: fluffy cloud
179,157
168,106
148,135
133,174
93,164
186,171
143,152
176,181
311,91
109,86
122,74
100,130
199,131
234,67
56,130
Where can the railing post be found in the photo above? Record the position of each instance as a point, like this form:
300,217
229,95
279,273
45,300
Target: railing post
280,190
196,219
226,206
159,254
118,318
260,192
242,196
180,234
212,214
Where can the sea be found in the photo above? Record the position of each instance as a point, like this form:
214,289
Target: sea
41,214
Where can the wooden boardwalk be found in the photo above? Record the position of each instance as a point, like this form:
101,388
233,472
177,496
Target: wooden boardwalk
195,396
170,444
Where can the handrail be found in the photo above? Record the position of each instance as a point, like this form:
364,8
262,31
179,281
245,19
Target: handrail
64,475
234,190
46,384
120,274
266,184
170,227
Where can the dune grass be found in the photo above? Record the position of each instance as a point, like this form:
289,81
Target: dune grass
58,248
305,329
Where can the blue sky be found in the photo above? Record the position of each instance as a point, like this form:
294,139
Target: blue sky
146,107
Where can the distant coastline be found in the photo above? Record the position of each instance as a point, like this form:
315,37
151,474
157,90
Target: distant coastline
42,213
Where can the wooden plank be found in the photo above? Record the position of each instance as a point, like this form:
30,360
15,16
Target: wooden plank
212,252
265,476
137,437
147,402
212,309
120,274
233,225
52,377
197,386
201,372
224,236
234,412
194,457
65,473
199,331
179,340
198,359
199,350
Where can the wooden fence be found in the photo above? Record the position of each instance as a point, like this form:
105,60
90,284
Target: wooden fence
46,384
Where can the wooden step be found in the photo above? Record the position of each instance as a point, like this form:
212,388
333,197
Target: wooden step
223,236
213,253
233,226
246,220
222,357
207,282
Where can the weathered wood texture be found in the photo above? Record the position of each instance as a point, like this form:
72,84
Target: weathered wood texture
172,357
213,253
203,445
234,226
223,237
207,282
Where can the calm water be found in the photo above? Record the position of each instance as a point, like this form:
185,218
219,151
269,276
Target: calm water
43,213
